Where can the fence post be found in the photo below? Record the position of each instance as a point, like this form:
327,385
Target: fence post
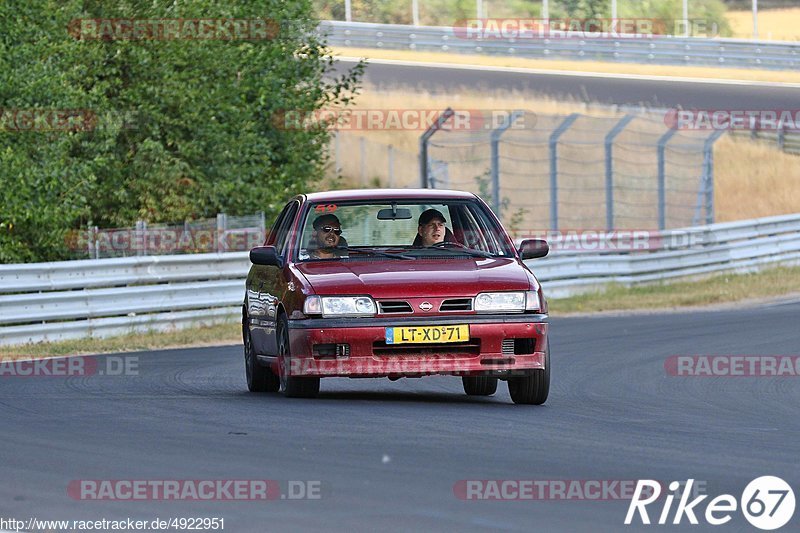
140,237
662,180
610,136
390,157
337,166
362,153
222,225
554,167
423,145
495,139
708,171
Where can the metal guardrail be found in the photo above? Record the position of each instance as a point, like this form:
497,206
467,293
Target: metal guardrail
662,50
106,297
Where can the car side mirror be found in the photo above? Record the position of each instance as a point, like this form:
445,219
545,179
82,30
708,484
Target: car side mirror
533,248
265,255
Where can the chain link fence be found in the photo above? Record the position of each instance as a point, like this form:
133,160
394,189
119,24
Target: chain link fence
541,171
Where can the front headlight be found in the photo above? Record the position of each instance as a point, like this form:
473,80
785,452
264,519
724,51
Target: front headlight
510,302
339,306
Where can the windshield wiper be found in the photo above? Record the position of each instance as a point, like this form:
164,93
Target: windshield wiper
460,248
371,250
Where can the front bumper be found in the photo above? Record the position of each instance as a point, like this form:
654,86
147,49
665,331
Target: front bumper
369,356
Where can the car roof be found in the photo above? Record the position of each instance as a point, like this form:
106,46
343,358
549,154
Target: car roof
388,194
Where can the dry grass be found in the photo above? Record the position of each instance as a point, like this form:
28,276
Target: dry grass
220,334
752,179
720,289
773,24
576,66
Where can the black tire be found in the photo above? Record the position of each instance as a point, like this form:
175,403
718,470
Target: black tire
292,387
479,385
533,388
259,378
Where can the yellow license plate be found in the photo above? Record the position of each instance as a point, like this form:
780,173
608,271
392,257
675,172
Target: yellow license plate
426,334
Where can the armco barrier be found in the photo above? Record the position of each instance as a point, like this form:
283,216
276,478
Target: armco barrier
105,297
662,50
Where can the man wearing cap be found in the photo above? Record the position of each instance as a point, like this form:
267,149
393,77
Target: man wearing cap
326,240
431,228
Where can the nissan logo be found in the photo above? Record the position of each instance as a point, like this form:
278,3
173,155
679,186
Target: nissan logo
426,306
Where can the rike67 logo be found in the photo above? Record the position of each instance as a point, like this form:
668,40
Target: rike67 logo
767,503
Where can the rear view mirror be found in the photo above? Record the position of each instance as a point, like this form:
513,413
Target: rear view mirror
394,213
533,248
265,255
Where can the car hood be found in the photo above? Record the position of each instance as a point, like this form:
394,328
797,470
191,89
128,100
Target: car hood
450,277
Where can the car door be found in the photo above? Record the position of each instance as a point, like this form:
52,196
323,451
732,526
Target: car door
266,284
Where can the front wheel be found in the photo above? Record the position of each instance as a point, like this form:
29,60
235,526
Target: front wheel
533,388
259,378
292,386
479,385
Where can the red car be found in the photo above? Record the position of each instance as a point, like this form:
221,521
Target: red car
394,283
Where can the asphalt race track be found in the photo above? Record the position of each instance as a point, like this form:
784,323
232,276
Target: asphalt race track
604,90
392,452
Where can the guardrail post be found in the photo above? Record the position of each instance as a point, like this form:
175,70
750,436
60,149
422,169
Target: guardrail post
662,179
781,136
610,136
554,167
495,140
423,145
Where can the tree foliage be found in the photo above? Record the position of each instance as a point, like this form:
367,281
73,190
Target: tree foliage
184,128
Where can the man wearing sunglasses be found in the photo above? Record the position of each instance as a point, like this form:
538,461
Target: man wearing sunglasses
326,240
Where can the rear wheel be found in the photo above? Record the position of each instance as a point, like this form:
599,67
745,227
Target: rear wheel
479,385
259,378
292,386
533,388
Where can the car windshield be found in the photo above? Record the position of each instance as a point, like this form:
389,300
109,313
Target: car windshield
400,230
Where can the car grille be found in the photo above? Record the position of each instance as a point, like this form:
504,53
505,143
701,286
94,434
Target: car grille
519,346
471,347
456,304
398,306
508,347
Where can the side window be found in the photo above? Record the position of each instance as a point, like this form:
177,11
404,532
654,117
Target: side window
286,223
276,226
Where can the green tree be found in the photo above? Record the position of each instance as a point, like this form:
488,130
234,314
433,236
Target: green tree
185,127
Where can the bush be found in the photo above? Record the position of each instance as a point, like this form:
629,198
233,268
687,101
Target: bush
184,128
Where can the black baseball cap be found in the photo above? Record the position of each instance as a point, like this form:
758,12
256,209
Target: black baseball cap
326,219
429,215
